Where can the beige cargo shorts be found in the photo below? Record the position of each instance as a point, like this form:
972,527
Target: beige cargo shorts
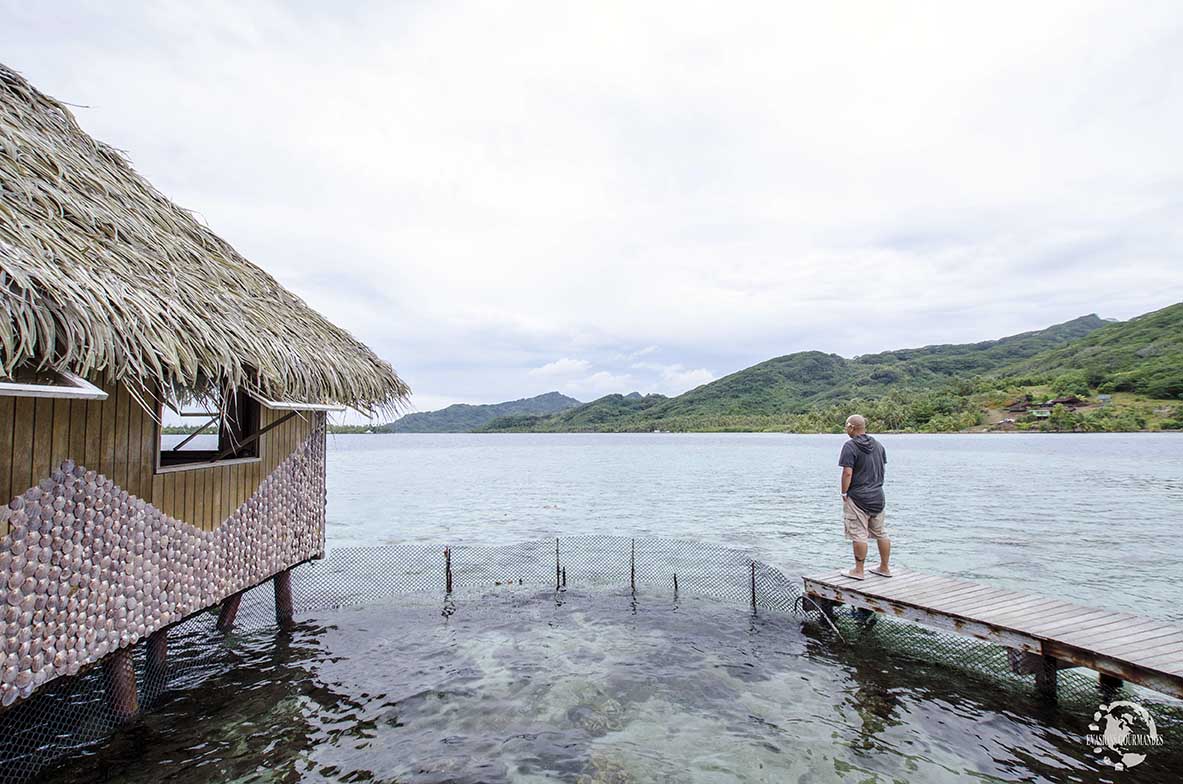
859,525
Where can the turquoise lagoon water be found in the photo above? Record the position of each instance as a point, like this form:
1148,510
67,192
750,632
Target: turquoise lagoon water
1092,518
530,686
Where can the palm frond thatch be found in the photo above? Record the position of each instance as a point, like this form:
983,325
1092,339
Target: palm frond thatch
100,273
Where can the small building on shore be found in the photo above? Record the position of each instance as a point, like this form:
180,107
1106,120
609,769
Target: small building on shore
122,312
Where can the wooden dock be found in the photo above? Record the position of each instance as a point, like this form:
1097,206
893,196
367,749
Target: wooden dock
1043,634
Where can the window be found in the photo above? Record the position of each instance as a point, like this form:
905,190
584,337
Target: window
297,405
200,431
27,382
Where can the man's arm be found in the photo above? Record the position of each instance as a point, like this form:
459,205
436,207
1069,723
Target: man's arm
847,473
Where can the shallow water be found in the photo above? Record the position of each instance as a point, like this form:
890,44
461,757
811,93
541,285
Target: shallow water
519,687
524,687
1090,518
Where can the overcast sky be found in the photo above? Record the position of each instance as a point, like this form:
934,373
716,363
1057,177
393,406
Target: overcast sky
508,198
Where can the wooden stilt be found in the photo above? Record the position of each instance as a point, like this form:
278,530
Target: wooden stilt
1045,676
229,611
1109,682
120,674
283,599
157,663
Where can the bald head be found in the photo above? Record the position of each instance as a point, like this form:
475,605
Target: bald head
856,425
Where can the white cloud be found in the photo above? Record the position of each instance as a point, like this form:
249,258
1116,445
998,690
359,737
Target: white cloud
562,368
675,379
476,189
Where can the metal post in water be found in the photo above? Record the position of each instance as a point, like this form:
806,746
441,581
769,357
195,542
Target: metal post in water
753,586
632,565
675,586
564,577
447,570
558,572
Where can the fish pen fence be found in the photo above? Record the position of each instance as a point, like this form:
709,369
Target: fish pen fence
73,715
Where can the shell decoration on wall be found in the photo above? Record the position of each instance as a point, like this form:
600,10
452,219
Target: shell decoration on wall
87,569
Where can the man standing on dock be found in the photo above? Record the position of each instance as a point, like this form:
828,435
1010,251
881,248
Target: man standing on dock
864,462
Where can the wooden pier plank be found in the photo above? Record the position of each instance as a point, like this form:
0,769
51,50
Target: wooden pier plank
1112,634
1162,649
1117,644
1063,623
1017,604
1023,608
1171,662
1066,617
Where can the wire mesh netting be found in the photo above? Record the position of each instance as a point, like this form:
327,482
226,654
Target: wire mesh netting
72,716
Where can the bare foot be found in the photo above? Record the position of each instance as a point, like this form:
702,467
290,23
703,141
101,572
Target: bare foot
856,574
881,571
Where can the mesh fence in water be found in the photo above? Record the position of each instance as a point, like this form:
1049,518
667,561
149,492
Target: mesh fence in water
70,716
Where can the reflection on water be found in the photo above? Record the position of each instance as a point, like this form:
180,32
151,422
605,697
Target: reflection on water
517,687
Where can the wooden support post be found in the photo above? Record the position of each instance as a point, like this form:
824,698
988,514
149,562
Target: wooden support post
229,611
283,599
1109,682
155,667
1045,676
120,675
157,663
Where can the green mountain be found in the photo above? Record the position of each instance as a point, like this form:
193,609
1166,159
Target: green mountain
596,415
464,418
800,384
1142,355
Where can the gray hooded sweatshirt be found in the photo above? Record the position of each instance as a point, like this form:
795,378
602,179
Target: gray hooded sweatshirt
867,459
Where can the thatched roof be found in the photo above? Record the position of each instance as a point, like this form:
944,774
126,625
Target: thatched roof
101,273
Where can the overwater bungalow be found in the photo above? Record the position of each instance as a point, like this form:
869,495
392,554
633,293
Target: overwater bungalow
121,312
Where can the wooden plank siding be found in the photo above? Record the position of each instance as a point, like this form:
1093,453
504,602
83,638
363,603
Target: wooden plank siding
22,446
7,412
118,438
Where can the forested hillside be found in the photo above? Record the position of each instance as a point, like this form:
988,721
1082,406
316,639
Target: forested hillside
463,418
934,388
1142,355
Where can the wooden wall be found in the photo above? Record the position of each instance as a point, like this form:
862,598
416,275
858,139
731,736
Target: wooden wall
117,437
